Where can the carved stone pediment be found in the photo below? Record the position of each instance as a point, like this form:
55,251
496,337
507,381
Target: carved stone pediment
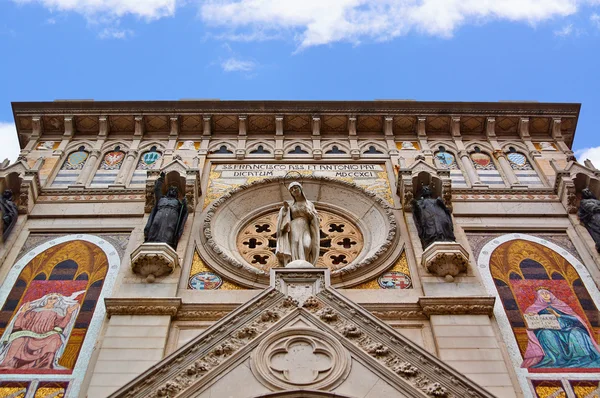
325,335
572,179
23,180
412,179
186,178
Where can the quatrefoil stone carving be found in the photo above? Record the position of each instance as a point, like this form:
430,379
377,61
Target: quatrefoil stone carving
300,357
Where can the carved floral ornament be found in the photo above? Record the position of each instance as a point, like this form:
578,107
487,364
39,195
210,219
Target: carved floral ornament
357,250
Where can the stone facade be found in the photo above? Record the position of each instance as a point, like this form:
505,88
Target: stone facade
509,310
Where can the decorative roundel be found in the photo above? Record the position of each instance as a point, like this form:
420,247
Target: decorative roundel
150,158
444,159
394,280
341,241
480,159
77,158
205,281
300,358
114,158
517,158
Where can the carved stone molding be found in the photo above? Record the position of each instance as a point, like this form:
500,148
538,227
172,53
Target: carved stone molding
300,357
457,305
142,306
204,312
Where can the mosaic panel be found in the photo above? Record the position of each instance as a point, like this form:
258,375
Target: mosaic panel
71,168
397,277
549,389
150,160
523,169
14,389
109,169
486,169
225,177
585,388
547,310
188,146
204,278
447,160
52,309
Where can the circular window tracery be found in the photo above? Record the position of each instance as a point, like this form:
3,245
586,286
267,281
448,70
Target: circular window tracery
340,241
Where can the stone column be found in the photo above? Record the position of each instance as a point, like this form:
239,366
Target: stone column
469,168
279,137
88,168
126,167
506,168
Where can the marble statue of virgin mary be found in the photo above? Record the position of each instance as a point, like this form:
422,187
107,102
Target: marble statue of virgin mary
297,229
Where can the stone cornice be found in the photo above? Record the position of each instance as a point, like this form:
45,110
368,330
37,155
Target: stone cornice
420,310
142,306
294,107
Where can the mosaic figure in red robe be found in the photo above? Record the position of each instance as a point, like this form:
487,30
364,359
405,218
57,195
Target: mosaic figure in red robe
37,335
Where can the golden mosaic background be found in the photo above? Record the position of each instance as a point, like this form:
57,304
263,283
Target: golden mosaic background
400,266
199,266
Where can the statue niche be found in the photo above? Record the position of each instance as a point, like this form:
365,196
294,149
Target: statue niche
432,218
168,217
589,215
9,212
297,231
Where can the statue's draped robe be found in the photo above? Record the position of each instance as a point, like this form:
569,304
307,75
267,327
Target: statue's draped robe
9,212
301,240
35,339
167,218
433,221
589,215
571,346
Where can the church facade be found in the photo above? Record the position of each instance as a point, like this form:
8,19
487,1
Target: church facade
143,251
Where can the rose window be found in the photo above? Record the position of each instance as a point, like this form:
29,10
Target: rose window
340,241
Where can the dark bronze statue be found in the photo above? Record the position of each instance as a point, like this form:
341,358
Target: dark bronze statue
168,216
589,215
9,211
433,219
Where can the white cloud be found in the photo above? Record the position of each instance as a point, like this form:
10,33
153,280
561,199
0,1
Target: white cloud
592,154
115,33
315,22
10,143
234,64
148,9
567,30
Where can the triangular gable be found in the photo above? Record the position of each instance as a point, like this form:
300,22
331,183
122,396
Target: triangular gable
297,298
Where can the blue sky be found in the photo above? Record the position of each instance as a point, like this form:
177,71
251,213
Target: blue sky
448,50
